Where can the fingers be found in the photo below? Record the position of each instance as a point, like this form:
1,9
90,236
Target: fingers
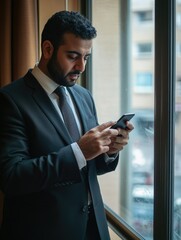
106,125
109,124
130,126
97,140
106,142
119,142
102,139
125,132
104,131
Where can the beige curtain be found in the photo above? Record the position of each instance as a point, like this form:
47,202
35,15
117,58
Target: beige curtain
21,23
5,42
24,35
18,38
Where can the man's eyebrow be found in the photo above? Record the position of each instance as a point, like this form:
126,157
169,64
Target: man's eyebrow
78,53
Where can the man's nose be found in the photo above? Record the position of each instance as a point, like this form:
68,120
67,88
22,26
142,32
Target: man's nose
80,65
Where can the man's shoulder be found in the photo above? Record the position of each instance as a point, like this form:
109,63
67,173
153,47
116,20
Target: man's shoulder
17,88
12,88
14,84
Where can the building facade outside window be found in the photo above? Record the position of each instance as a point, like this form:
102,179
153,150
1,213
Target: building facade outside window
122,81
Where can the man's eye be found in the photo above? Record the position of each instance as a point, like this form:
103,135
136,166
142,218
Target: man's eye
72,57
76,57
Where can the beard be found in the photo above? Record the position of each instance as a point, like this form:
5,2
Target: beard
57,74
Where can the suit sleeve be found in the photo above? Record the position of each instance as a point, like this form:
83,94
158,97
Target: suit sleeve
19,172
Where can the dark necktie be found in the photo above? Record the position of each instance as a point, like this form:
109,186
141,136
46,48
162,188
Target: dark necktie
67,113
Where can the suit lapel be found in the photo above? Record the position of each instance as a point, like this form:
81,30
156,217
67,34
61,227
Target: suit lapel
45,104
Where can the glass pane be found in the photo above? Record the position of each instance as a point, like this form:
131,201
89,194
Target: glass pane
177,191
123,82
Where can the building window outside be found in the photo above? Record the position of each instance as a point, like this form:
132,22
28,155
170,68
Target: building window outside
143,50
143,82
143,16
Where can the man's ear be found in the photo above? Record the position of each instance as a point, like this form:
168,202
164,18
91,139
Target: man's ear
47,49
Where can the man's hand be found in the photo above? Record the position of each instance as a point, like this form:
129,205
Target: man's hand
102,139
97,140
118,142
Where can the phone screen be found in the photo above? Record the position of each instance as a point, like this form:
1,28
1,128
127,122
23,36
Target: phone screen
121,123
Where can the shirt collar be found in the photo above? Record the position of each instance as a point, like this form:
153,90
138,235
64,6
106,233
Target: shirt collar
47,83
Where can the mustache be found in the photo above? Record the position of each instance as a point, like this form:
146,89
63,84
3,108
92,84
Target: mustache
75,72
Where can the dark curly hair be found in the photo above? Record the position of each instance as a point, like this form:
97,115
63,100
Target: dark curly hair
67,22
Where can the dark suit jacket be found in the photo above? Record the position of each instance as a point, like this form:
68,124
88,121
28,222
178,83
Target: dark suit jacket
45,193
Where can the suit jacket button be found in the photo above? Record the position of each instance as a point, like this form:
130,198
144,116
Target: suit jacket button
84,209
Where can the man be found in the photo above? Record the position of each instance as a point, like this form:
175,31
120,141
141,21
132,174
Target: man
48,173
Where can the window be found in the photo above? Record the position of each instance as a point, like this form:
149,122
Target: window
143,50
143,82
152,157
178,49
126,86
178,20
143,16
178,92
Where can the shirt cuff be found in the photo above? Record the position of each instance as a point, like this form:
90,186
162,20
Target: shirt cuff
81,161
109,159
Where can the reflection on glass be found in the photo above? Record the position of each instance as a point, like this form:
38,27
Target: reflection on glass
128,190
177,182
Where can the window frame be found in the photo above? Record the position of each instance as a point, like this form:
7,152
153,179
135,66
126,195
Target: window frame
86,79
165,13
164,51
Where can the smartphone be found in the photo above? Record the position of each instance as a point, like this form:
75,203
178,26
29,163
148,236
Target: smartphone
121,123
